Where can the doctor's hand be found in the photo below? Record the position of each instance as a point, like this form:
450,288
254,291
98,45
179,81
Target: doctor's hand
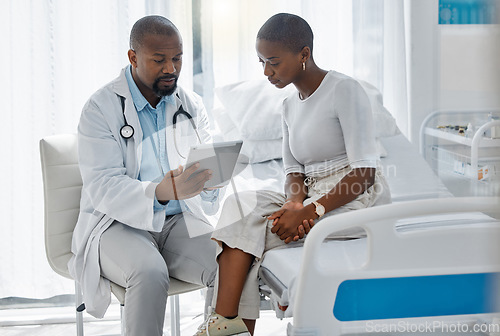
180,183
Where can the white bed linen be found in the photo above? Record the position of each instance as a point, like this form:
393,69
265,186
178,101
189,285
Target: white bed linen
258,176
408,174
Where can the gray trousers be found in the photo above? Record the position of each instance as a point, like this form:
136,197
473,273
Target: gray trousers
142,261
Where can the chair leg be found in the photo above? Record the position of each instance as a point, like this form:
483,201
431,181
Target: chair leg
175,316
79,312
122,320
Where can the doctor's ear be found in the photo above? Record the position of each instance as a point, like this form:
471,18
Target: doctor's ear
132,57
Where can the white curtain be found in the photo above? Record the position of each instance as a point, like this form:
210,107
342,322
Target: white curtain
235,25
56,53
395,79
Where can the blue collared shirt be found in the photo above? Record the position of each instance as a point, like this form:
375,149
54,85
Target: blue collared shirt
154,161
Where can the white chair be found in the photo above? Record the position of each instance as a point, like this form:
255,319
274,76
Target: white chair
62,186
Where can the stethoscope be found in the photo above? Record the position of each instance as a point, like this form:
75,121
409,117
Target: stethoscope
127,131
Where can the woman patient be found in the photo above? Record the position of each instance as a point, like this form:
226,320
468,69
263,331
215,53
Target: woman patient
330,161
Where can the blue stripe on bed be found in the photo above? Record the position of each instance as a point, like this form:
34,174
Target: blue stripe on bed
436,295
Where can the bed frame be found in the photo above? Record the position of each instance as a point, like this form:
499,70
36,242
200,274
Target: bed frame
431,273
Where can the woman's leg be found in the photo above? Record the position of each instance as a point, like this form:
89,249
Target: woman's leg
243,236
233,270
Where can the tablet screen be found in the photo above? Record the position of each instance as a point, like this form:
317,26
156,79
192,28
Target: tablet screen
220,157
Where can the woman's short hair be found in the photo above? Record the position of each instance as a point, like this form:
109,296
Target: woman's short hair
289,29
152,24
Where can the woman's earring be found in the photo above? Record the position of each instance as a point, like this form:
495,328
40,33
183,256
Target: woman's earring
304,66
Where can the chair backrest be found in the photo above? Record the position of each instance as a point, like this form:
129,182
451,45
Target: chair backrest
62,186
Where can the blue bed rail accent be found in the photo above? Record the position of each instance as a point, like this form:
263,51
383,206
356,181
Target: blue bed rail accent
420,296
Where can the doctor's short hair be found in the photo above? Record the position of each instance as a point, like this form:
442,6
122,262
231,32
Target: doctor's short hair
291,30
152,24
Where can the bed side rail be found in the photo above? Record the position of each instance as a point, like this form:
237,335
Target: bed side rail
443,251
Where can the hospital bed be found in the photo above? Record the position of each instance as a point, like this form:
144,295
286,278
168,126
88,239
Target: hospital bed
430,262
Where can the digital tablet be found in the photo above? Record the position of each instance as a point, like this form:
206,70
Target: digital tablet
220,157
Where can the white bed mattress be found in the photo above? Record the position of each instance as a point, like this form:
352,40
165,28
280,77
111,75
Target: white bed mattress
267,175
408,174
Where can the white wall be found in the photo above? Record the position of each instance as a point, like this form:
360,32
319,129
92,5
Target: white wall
422,45
421,18
448,66
469,67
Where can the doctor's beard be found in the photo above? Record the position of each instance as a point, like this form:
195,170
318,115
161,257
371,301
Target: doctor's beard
164,92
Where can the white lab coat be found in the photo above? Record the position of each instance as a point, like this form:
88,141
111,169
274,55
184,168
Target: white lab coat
109,166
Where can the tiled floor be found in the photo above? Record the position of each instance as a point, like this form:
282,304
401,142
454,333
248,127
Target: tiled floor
59,321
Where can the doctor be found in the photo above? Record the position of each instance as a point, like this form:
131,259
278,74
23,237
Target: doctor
142,218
